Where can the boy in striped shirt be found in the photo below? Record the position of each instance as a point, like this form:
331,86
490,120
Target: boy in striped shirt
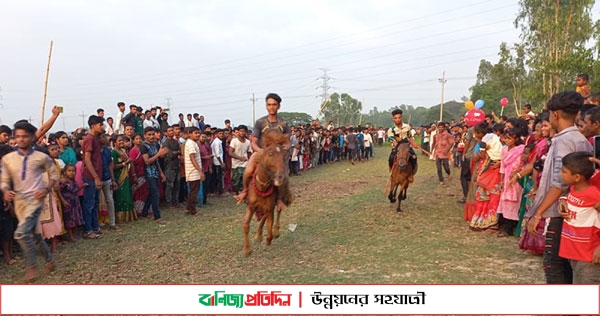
580,238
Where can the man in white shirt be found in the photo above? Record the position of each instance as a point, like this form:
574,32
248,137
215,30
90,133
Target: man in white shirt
380,136
110,130
147,121
193,169
119,127
188,122
239,150
218,164
153,119
367,141
433,131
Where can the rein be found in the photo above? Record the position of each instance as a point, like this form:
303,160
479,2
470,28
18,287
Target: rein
269,185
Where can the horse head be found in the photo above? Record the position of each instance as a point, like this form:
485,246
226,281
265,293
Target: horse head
275,152
403,155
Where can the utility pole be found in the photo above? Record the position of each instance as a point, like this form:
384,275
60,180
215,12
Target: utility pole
82,119
253,108
168,105
361,108
443,82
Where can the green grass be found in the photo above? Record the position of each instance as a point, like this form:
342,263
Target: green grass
347,232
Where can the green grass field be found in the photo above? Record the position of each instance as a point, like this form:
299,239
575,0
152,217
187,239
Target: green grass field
347,232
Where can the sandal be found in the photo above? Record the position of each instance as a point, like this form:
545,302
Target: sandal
502,234
92,235
11,261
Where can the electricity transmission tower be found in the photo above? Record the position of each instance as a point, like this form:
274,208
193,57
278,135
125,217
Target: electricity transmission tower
324,86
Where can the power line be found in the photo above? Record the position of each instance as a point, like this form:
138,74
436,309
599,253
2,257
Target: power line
281,56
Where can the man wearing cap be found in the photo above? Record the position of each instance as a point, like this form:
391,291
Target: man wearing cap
119,126
92,171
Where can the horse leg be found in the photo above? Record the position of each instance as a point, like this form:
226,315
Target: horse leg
399,207
246,229
269,227
402,195
259,231
392,195
277,226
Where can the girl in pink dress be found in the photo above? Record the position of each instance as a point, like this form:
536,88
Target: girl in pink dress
510,198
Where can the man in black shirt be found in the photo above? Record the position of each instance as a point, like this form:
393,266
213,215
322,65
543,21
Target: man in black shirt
269,123
129,119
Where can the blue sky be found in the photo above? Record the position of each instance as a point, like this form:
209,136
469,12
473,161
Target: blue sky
210,56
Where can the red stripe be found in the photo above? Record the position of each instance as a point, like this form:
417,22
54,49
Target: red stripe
301,299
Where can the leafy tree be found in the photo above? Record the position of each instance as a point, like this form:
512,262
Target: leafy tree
342,109
296,118
554,35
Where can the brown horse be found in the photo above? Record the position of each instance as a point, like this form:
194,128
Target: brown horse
269,182
401,170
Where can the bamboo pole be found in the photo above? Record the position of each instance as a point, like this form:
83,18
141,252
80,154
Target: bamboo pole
46,84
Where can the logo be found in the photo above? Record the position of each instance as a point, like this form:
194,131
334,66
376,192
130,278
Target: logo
261,298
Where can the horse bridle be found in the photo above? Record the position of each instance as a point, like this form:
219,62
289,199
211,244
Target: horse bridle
403,159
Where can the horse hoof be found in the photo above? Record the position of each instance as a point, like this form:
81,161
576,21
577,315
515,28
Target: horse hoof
275,235
399,210
247,252
258,239
392,200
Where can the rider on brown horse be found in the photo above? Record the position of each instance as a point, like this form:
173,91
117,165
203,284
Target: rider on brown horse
270,123
397,134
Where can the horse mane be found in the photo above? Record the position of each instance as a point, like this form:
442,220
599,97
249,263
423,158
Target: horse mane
405,144
274,138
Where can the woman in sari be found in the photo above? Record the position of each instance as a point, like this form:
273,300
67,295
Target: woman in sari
124,211
530,176
510,198
487,194
140,188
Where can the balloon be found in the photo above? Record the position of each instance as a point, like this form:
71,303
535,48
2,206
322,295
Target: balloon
469,105
474,117
504,101
479,104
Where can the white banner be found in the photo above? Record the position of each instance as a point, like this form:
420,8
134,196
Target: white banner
299,299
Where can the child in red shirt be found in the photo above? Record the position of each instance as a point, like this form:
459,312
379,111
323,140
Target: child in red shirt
580,238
